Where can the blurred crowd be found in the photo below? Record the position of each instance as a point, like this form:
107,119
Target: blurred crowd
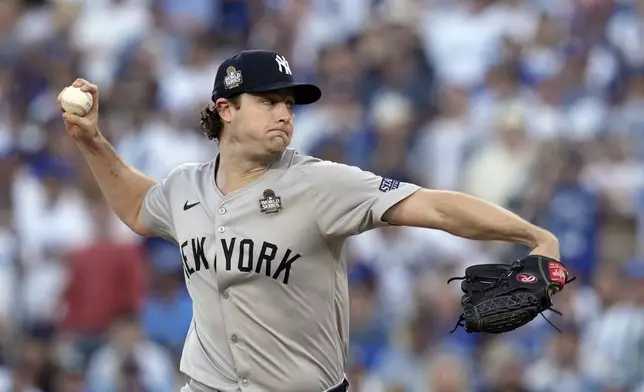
536,105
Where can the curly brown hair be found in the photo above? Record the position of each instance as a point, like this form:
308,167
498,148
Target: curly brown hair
211,124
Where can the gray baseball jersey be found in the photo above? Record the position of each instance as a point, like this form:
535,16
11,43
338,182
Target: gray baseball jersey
266,270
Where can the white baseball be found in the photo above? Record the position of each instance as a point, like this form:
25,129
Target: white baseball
75,101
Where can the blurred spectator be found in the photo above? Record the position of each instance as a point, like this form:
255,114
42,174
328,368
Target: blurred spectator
558,370
502,89
628,117
622,31
102,41
339,113
442,305
383,145
460,38
448,373
616,175
561,201
444,142
106,279
71,381
177,89
368,333
497,170
69,364
502,367
406,363
51,218
32,365
361,379
128,360
167,310
612,345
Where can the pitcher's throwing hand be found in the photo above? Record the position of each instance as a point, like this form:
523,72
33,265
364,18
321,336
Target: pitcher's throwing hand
86,126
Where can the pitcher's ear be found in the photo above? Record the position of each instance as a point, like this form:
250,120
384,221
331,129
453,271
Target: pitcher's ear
224,108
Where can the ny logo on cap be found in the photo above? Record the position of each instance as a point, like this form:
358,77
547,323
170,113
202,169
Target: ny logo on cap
281,62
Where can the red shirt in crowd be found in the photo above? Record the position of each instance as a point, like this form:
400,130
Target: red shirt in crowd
105,280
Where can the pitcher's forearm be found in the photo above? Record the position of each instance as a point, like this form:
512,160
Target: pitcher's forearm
123,186
470,217
466,216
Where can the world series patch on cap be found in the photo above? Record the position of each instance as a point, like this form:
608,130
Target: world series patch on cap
233,78
256,71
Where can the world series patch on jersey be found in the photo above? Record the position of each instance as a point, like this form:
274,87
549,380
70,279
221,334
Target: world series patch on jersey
270,203
266,270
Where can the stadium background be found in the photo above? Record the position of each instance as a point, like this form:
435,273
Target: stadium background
536,105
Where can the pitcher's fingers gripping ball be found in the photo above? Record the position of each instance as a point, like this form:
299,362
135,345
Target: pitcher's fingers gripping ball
500,298
76,101
79,104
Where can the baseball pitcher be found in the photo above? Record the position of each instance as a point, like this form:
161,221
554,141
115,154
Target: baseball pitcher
262,231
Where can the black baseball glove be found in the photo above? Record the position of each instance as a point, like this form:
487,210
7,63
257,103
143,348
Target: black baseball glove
502,297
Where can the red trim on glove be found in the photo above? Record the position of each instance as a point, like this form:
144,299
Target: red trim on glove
558,273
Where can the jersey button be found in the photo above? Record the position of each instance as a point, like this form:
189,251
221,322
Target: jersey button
245,382
234,339
225,294
221,229
222,210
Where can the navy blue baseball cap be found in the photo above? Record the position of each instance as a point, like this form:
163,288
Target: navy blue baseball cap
255,71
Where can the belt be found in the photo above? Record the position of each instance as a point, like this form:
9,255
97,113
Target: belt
342,387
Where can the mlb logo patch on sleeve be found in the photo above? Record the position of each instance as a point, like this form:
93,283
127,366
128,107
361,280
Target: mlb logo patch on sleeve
387,184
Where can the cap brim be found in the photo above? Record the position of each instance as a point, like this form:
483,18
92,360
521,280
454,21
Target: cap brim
303,93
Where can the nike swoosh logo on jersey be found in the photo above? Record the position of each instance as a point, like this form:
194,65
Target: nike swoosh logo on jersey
187,206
